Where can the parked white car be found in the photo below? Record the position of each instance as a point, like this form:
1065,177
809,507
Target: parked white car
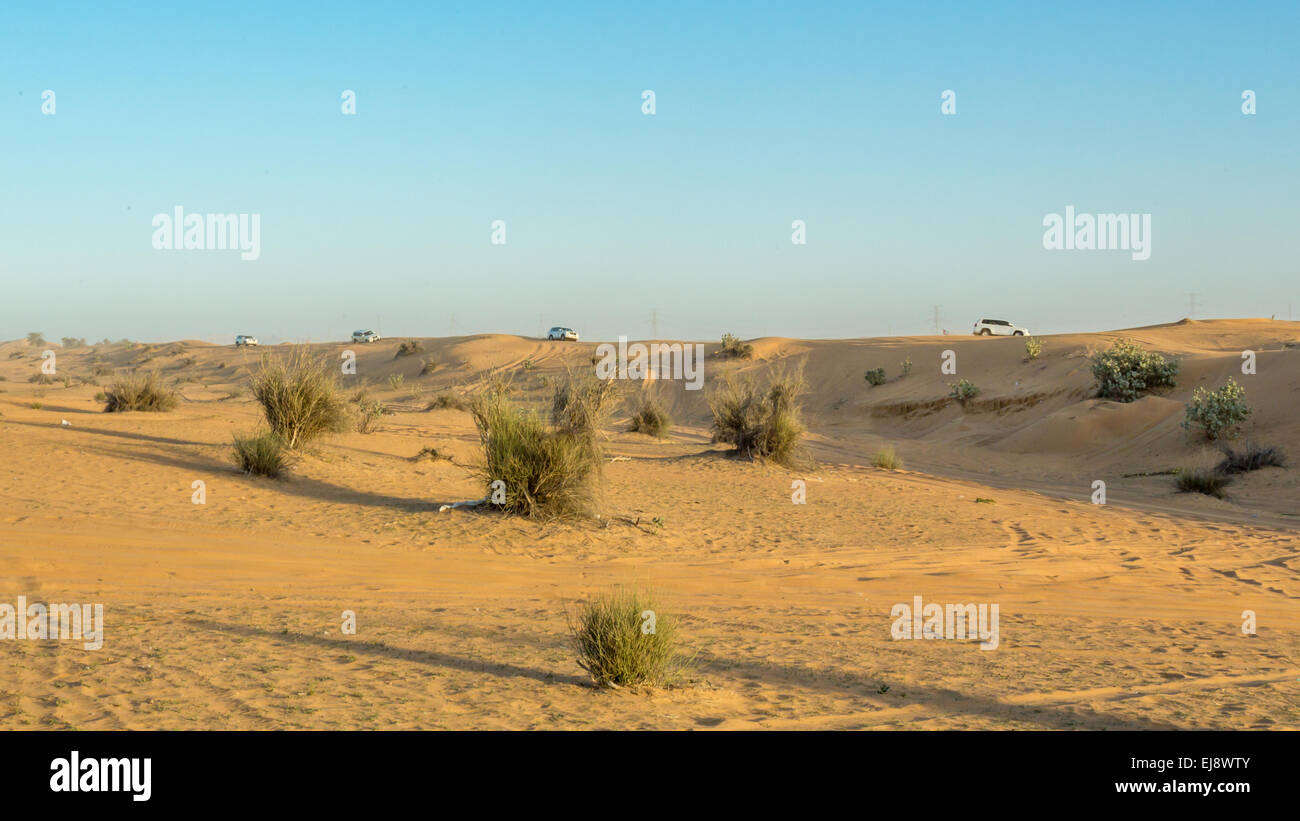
999,327
365,336
244,339
561,333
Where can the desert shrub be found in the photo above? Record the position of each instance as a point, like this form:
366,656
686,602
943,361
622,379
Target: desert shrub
1251,457
369,412
73,342
36,338
732,346
1219,413
887,458
528,365
428,366
546,471
1125,371
905,367
760,423
431,454
139,392
395,380
875,376
262,454
41,379
623,639
1033,347
103,370
581,405
100,396
1207,480
409,347
446,401
963,391
651,418
300,397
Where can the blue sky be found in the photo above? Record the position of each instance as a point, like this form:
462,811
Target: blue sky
766,113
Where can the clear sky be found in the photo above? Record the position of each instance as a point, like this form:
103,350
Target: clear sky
532,113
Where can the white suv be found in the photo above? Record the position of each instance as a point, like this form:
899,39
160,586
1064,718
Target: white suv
562,333
365,336
999,327
244,339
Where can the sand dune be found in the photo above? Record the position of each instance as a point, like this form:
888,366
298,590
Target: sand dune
227,614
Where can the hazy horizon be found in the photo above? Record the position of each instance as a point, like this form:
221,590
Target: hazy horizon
620,222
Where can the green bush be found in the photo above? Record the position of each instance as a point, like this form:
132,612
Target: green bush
262,454
906,367
1125,371
395,380
139,392
963,391
733,347
300,397
887,458
651,418
1033,347
875,376
623,639
369,412
760,423
1219,413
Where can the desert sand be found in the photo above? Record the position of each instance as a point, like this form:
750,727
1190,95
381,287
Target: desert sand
227,614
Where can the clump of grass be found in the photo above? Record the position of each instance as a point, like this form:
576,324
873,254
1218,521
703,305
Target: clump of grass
409,347
548,471
428,366
1033,347
581,405
762,423
300,397
395,380
905,367
1126,370
1218,413
624,639
1207,480
887,458
140,392
36,338
73,342
963,391
875,376
1251,457
261,454
528,365
651,418
446,401
369,412
733,347
103,370
41,378
101,397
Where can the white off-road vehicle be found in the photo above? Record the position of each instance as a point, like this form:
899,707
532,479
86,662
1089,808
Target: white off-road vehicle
999,327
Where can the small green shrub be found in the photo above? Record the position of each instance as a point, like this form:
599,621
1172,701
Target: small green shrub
73,342
369,412
905,367
963,391
651,418
139,392
395,380
300,397
1218,413
261,454
623,638
733,347
1125,371
887,458
760,423
1033,347
36,338
875,376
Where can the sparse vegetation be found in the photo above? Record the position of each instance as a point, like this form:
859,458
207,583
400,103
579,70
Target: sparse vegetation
1125,371
733,347
446,401
300,397
428,366
395,380
369,412
875,376
140,392
409,347
36,338
1251,457
73,342
262,454
431,454
1218,413
651,418
1207,480
623,638
887,458
760,423
963,391
1033,347
905,367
